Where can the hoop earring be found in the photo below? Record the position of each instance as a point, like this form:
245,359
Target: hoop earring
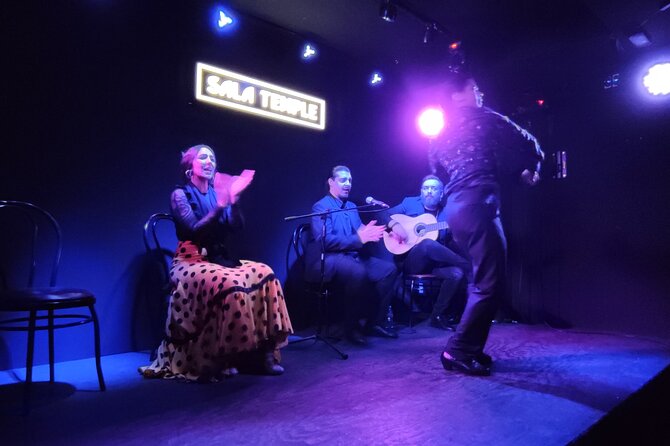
188,173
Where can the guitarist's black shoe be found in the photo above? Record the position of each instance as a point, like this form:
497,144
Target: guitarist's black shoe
442,323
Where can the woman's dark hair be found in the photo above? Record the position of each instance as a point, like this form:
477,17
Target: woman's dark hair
187,157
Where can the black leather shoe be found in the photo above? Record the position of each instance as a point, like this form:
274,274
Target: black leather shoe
381,332
484,359
442,323
468,366
356,337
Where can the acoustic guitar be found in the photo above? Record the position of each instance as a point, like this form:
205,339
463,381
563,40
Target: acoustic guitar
424,226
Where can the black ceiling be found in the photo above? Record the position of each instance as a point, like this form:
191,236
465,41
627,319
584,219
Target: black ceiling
492,31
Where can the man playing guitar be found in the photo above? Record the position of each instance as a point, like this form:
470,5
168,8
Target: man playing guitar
418,226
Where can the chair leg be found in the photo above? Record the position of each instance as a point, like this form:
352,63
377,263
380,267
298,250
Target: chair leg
51,346
29,361
411,302
96,332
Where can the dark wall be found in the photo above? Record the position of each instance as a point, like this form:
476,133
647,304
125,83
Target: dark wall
98,102
98,105
596,244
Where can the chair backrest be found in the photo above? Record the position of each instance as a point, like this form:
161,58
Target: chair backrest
38,222
152,242
297,244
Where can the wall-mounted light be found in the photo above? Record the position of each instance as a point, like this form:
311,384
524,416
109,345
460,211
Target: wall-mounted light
612,81
376,78
309,51
223,21
431,31
388,11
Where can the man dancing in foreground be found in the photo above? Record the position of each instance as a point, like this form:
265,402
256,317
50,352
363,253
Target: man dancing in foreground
475,154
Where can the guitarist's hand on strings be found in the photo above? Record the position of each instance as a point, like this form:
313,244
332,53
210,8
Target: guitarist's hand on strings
398,233
370,232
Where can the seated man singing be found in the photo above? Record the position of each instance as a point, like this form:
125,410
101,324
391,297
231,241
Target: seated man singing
344,263
428,252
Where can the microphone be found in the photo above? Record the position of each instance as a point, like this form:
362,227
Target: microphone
370,200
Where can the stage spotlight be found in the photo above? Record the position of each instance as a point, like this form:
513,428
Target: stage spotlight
376,79
431,121
657,79
431,31
309,51
388,11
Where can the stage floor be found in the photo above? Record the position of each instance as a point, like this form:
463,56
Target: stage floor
547,387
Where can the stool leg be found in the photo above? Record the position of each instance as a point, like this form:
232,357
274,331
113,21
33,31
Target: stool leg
96,332
51,346
411,302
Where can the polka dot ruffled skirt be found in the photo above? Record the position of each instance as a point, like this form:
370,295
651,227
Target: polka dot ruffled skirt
216,312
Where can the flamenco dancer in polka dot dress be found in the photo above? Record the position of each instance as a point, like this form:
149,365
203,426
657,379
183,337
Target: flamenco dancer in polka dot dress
220,307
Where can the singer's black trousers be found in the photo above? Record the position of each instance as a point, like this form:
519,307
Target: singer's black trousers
355,274
473,217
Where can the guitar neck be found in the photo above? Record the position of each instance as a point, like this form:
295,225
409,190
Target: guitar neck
437,226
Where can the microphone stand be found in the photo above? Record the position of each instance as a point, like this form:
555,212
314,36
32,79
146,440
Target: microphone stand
323,291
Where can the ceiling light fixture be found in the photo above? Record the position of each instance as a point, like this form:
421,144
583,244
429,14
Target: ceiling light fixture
431,31
376,78
309,51
388,11
639,38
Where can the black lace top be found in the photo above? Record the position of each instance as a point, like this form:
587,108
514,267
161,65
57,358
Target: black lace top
200,220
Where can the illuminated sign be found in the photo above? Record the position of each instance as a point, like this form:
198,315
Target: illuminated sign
243,93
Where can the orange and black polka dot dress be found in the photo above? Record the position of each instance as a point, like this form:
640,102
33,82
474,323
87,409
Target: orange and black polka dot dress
215,311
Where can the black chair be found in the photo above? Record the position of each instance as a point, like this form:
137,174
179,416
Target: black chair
161,256
153,246
320,290
423,284
33,300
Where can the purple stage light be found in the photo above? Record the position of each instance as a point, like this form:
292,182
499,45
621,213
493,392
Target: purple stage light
431,121
657,79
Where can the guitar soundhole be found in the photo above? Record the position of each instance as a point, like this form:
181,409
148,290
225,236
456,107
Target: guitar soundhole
420,230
